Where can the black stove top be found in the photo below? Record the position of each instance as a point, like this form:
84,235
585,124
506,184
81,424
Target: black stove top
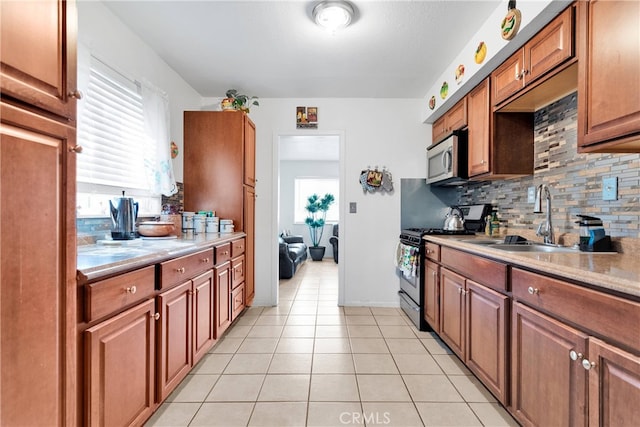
434,231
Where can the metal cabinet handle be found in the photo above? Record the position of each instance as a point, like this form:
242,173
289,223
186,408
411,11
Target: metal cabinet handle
533,291
205,260
575,356
156,316
180,270
76,149
587,365
75,94
132,289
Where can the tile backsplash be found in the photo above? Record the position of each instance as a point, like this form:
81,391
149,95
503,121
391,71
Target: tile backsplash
575,181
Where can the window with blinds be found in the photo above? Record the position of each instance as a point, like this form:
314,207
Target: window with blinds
111,133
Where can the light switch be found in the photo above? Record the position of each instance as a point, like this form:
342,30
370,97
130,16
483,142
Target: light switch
610,188
353,207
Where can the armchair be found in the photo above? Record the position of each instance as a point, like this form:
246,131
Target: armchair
292,252
334,242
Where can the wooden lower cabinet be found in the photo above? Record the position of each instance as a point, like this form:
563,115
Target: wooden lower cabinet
452,324
548,387
614,383
203,315
432,295
120,368
222,278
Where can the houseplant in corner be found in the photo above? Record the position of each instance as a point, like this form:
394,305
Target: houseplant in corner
317,208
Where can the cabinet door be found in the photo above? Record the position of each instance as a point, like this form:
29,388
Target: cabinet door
237,271
550,47
438,130
237,301
37,275
508,79
614,382
38,45
456,117
222,277
479,117
548,388
452,326
249,152
249,229
174,337
120,368
608,82
487,320
432,295
203,315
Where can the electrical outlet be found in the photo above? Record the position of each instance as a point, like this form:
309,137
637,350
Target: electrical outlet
353,207
531,195
610,188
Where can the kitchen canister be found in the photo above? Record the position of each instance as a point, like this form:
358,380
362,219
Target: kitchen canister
187,223
199,223
212,224
226,226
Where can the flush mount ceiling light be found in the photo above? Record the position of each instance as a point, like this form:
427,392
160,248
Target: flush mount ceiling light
333,14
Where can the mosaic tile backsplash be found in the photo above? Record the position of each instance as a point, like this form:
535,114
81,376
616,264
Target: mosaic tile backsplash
575,181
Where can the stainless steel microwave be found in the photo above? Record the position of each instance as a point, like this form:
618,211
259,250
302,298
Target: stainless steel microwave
447,161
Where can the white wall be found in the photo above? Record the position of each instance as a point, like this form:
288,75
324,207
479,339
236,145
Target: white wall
111,41
377,132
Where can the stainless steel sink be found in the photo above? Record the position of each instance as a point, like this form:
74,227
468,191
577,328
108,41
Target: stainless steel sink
533,247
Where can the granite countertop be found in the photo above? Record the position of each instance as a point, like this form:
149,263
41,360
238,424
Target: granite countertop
102,260
609,271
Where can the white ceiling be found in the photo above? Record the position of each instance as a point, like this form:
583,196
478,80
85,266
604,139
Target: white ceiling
272,49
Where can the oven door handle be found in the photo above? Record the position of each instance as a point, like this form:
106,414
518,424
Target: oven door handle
401,293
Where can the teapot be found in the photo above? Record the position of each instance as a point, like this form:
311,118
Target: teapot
454,221
123,218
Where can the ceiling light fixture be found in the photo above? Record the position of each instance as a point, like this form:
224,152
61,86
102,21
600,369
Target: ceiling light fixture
333,14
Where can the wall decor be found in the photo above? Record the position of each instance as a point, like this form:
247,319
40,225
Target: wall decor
373,180
459,73
444,90
432,103
306,117
174,150
511,22
481,53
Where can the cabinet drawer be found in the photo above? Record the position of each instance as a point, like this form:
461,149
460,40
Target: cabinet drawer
237,301
482,270
237,247
237,271
607,316
110,295
180,269
222,253
432,251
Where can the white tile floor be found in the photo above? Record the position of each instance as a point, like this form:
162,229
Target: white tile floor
308,362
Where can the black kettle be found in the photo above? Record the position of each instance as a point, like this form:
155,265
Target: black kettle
123,218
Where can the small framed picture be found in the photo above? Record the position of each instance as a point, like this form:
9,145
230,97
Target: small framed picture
307,117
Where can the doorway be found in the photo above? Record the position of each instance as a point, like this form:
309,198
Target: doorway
299,160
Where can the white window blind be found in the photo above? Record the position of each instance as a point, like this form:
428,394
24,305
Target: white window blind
111,132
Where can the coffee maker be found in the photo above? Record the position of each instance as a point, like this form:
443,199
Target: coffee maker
123,218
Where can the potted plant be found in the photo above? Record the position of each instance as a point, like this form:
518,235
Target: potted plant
317,208
236,101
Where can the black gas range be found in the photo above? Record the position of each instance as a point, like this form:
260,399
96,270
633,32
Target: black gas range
413,236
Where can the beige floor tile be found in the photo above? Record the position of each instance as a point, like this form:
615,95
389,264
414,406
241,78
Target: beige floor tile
258,345
248,364
194,388
236,388
397,331
471,389
285,388
247,320
331,319
374,364
173,414
451,365
332,345
382,388
436,346
238,331
279,310
406,345
358,311
227,345
266,320
369,345
431,388
279,414
493,414
360,320
421,334
390,320
331,331
393,414
223,414
295,345
332,364
447,414
334,388
289,363
299,331
385,311
325,414
329,310
416,364
253,311
267,331
364,331
212,364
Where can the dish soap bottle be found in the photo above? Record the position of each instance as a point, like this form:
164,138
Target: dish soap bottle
487,225
495,224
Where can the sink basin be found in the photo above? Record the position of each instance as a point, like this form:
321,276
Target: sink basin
533,247
482,241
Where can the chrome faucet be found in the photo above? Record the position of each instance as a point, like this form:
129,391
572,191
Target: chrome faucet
545,229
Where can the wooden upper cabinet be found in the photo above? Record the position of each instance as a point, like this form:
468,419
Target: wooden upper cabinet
609,77
552,46
249,152
454,119
38,54
479,136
